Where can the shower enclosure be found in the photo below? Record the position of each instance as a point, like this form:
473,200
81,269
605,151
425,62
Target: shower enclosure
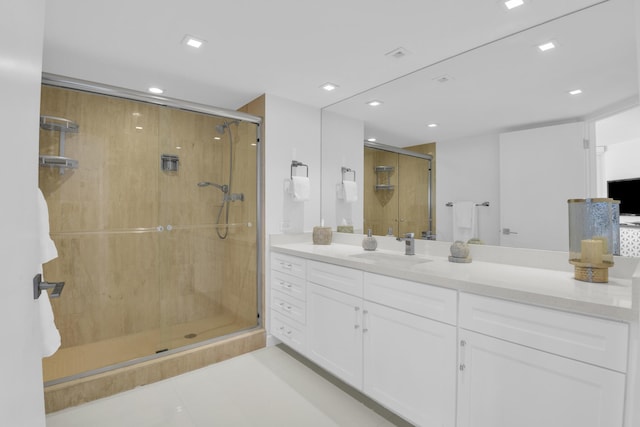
156,224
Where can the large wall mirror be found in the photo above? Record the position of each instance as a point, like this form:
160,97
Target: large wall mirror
479,101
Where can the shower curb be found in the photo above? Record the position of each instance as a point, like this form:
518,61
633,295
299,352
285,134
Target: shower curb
76,392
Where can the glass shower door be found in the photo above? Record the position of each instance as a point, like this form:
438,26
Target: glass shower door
207,209
150,260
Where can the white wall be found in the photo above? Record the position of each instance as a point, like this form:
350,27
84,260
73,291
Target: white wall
342,145
622,160
468,169
540,169
21,36
292,132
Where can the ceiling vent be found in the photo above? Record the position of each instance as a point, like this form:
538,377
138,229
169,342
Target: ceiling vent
397,53
443,79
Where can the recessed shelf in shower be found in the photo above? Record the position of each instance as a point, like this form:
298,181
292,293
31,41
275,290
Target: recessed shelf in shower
63,126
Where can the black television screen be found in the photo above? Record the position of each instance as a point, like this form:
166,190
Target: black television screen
628,192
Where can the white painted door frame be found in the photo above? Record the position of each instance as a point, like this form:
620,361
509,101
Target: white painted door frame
21,46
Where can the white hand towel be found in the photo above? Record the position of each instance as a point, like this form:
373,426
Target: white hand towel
48,251
350,191
464,221
300,188
50,334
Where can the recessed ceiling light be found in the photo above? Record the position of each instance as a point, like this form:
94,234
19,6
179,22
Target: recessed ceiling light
329,86
192,41
156,90
510,4
139,128
432,125
575,92
547,46
374,103
371,140
217,138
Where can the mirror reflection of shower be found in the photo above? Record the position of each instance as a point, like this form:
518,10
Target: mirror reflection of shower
228,196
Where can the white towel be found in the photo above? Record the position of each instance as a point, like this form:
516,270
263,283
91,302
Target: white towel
350,189
464,221
50,334
48,251
300,188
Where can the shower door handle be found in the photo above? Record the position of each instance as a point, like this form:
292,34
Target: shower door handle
39,286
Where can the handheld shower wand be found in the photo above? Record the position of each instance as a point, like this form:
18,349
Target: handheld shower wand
224,188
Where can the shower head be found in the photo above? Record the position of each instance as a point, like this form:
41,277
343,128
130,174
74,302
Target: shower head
224,188
221,128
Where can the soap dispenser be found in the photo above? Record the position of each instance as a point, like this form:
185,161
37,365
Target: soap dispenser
369,243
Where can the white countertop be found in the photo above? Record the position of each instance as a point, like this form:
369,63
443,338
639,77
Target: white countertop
547,287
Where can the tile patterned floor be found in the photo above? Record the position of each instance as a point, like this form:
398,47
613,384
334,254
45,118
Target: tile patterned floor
268,387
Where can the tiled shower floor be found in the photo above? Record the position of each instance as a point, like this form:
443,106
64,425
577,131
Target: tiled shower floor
268,387
72,360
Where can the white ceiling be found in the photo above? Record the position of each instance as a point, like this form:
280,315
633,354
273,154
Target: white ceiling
289,48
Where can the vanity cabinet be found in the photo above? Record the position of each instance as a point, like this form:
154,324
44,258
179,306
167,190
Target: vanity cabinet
528,366
334,332
410,349
288,300
371,331
409,365
443,357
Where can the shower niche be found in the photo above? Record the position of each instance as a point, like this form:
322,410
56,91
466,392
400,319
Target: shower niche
146,272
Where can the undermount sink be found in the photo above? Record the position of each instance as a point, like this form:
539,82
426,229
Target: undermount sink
401,261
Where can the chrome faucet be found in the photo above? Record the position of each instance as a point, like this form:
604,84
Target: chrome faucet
410,243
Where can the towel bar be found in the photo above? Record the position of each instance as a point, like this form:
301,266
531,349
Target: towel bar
450,204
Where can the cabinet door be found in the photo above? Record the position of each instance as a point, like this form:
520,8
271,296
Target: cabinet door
334,332
502,384
410,365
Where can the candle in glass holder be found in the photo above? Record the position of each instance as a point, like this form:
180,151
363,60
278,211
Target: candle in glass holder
591,251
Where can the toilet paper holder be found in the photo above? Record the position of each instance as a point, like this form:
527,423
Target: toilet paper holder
39,286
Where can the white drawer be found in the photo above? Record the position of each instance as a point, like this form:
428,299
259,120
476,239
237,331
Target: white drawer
288,284
588,339
342,279
416,298
289,307
289,333
288,264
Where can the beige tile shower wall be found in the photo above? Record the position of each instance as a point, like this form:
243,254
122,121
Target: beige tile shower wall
405,207
413,178
123,276
239,292
430,148
380,207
